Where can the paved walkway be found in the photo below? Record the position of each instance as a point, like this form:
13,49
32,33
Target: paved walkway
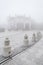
15,52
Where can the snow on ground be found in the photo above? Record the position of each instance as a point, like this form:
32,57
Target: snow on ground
16,38
32,56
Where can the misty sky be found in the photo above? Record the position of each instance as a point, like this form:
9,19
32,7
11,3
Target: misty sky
33,8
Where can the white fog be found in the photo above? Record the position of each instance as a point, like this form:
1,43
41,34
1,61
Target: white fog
21,32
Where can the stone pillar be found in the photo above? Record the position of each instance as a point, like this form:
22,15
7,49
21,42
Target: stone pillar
26,41
6,48
39,35
34,38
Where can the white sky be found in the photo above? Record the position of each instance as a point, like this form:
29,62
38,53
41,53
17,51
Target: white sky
33,8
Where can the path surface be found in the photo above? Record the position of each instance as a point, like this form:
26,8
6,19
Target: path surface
16,52
28,57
